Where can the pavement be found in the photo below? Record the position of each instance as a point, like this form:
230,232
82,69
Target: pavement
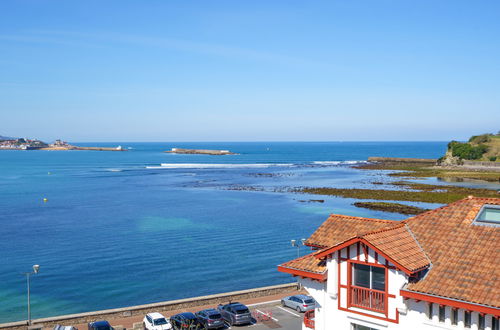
267,311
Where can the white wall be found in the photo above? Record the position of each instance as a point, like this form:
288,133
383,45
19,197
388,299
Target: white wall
412,315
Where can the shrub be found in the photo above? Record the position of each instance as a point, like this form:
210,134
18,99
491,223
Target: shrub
467,151
493,158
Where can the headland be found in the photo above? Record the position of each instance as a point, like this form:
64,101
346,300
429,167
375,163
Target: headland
34,144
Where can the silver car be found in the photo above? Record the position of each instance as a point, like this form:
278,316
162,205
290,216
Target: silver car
299,302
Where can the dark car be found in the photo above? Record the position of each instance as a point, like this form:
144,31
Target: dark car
210,318
184,321
100,325
235,313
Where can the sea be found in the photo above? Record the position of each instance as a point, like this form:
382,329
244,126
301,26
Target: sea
115,229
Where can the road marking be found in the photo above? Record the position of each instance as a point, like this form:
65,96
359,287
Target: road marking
276,320
289,311
264,303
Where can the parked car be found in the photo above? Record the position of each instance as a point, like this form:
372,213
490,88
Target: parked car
235,313
100,325
299,302
156,321
185,321
210,318
64,327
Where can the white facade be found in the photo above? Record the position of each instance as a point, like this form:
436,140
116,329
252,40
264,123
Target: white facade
334,312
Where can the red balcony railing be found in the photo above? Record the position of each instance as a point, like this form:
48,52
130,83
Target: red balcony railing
370,299
309,319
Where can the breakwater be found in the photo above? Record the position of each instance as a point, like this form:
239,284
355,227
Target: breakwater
402,160
164,306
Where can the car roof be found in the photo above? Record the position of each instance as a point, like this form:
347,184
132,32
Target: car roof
155,315
210,311
100,323
187,315
302,296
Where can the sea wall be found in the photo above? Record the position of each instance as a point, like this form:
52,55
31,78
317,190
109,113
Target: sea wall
214,300
472,163
402,160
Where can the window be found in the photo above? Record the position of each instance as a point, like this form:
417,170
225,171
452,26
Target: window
467,319
494,323
370,277
480,322
454,316
489,215
441,313
429,311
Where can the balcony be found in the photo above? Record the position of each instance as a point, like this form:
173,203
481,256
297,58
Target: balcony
370,299
309,319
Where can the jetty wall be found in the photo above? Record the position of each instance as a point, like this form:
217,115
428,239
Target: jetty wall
164,306
402,160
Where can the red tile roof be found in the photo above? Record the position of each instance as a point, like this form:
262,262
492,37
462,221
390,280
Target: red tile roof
307,266
400,245
340,228
463,257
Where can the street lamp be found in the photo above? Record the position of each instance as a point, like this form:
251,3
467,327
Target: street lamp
35,271
297,244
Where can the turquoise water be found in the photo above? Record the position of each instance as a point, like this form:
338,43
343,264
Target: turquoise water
119,229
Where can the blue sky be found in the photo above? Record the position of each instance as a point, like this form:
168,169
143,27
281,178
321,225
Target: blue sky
249,70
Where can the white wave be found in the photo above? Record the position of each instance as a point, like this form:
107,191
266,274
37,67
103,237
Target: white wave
114,170
338,162
193,165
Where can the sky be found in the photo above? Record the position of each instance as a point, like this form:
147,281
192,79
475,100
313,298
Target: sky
167,70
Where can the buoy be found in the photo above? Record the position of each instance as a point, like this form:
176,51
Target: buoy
45,200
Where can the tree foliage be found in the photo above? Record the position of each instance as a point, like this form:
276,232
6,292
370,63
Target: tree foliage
466,150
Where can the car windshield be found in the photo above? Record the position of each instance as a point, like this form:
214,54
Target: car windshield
104,327
309,301
242,311
215,316
160,321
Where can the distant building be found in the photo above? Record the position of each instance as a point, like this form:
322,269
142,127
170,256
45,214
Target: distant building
436,270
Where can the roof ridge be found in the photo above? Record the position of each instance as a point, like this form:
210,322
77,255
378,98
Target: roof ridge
418,244
361,218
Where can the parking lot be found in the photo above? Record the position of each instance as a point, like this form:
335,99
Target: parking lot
273,316
266,315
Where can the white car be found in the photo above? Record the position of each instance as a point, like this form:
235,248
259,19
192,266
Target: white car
156,321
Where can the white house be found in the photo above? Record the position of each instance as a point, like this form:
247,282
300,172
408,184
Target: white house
436,270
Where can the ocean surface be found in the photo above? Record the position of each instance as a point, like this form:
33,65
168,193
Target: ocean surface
121,229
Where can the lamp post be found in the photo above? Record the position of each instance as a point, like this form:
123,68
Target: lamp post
35,271
297,243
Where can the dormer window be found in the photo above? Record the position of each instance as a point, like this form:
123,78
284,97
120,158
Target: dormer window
489,215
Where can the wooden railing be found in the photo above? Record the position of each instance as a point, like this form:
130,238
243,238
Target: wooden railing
309,319
370,299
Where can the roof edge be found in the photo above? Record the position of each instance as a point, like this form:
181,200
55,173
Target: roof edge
481,308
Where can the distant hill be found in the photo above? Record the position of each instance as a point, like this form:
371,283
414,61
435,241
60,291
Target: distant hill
3,138
484,147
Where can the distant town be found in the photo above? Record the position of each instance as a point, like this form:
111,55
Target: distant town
8,143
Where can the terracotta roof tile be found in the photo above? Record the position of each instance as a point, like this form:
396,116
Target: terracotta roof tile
340,228
399,244
307,263
464,256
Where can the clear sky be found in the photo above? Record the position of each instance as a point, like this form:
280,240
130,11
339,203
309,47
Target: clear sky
184,70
